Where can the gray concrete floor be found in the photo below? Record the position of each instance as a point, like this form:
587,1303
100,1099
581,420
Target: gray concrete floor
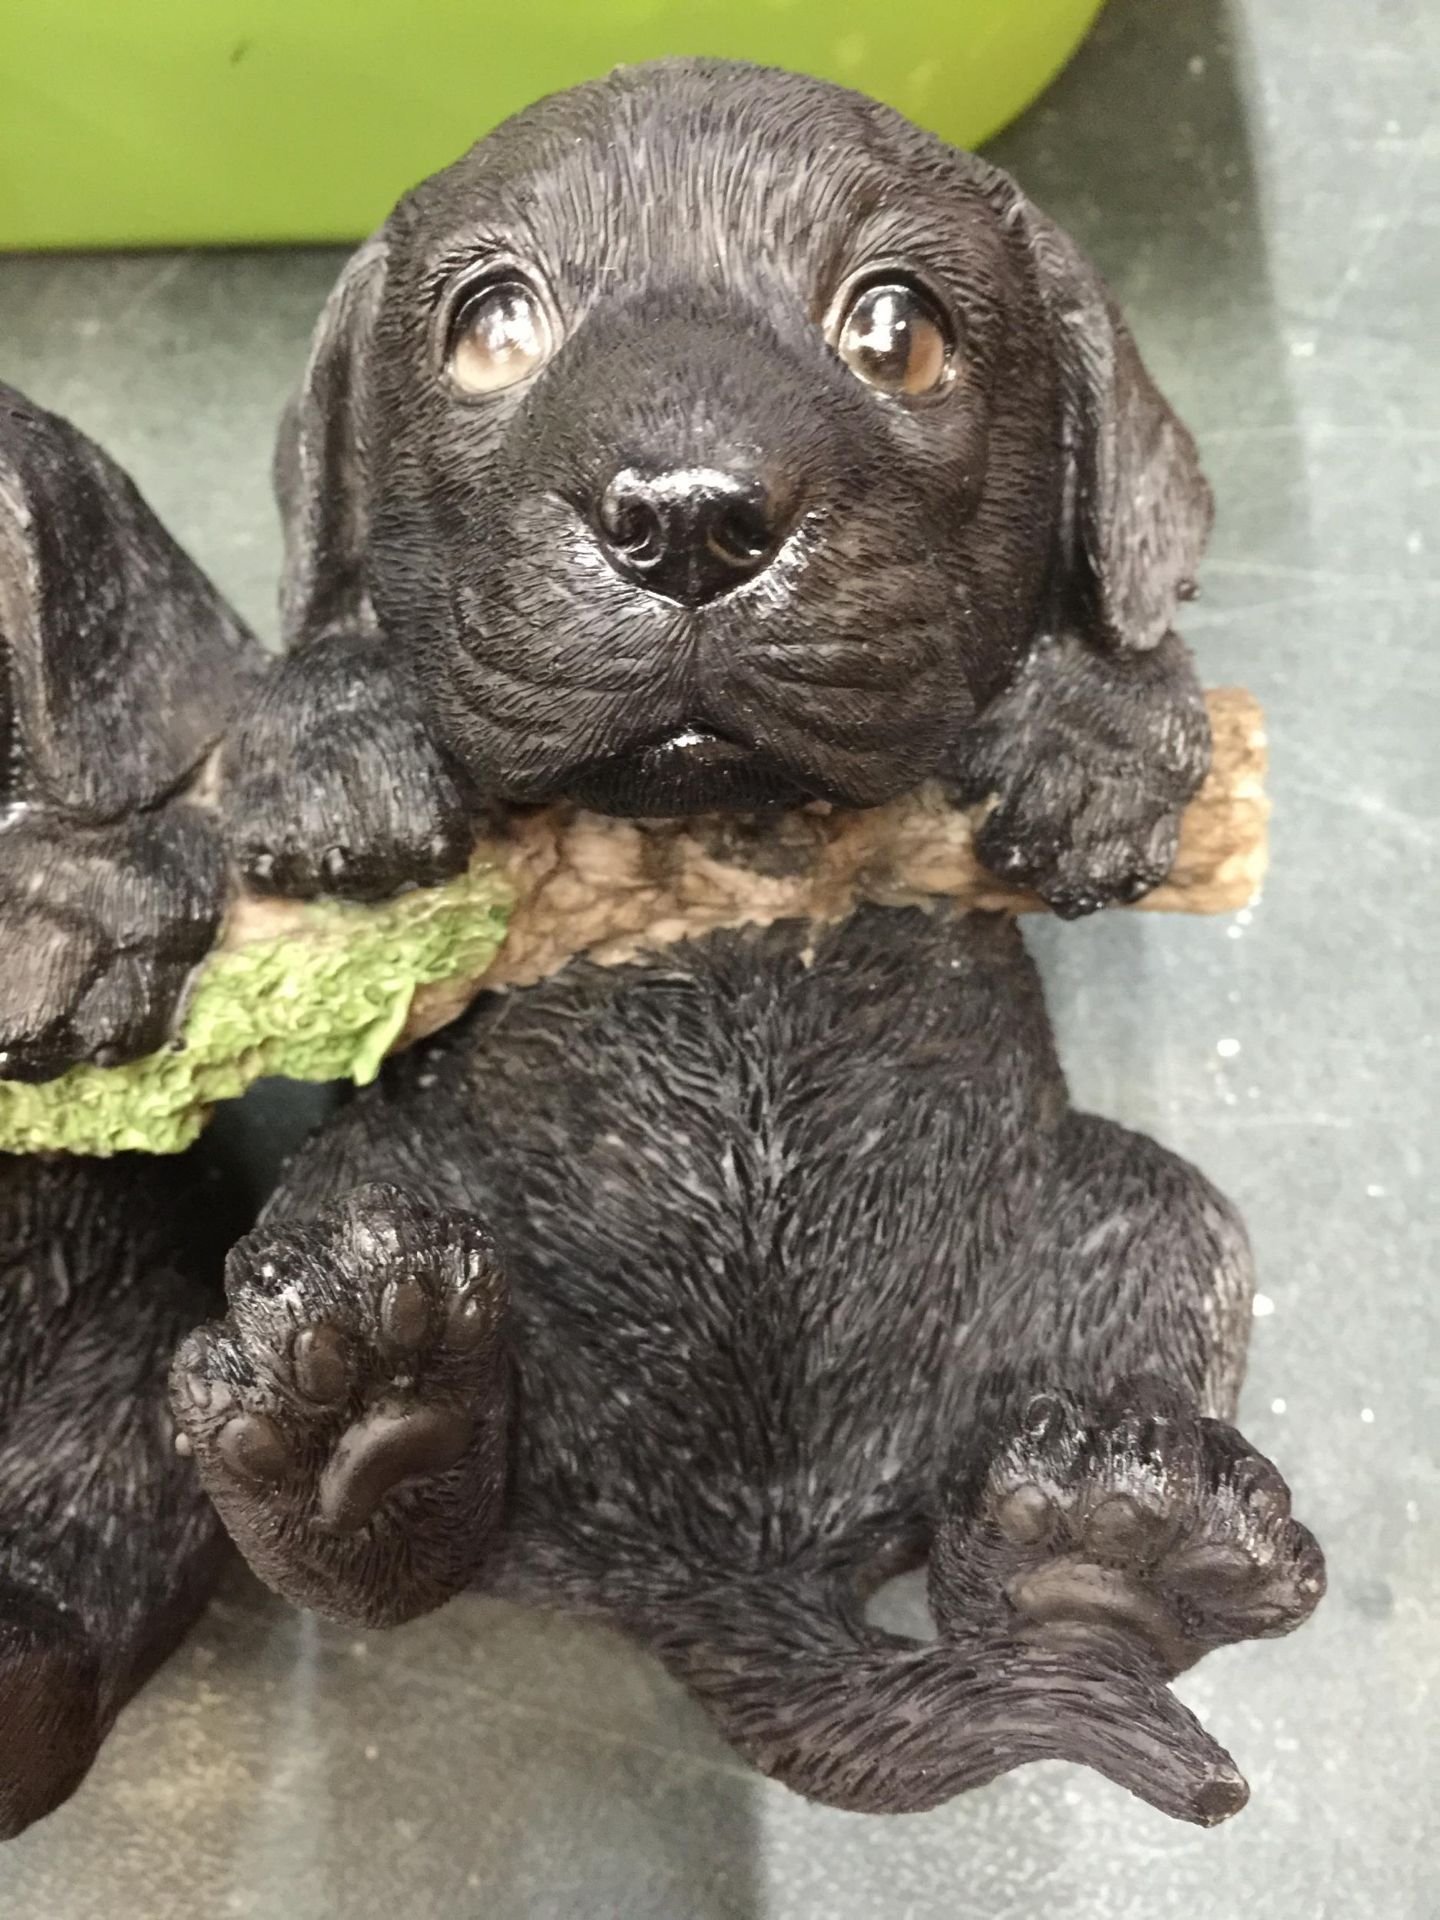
1260,181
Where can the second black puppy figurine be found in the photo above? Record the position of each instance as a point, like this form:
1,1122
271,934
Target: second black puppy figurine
711,437
119,666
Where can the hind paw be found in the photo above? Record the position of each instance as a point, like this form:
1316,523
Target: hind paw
348,1415
1139,1518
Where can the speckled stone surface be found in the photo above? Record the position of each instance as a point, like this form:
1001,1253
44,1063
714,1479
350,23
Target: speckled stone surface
1262,184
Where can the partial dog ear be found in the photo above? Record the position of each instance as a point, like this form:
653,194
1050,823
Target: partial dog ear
1137,509
321,476
120,664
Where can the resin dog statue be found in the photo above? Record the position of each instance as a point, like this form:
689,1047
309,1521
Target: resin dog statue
701,1294
710,437
119,668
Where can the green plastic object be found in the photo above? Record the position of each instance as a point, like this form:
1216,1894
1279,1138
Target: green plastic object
161,122
323,1002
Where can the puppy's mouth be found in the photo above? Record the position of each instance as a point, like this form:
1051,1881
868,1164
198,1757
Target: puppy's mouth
692,770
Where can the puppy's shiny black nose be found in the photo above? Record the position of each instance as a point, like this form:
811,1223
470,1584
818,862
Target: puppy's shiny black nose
691,533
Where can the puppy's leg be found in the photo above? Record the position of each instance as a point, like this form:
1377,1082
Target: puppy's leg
1091,757
1101,1499
1102,1484
101,927
855,1718
108,1546
331,783
350,1415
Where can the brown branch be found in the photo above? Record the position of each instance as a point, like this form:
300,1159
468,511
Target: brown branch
609,888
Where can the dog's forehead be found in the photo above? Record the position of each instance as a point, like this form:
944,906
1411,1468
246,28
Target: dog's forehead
680,163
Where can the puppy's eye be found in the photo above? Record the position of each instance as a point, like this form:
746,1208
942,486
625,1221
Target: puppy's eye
894,336
501,335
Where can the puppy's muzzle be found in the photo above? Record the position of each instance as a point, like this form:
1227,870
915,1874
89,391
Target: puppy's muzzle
690,533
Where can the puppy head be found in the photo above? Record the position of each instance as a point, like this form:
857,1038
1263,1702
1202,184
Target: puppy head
709,436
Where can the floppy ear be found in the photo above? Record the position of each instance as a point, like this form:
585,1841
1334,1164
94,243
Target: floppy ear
120,664
1136,509
321,477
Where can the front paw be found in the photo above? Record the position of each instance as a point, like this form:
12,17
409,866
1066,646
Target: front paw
1108,849
331,783
1087,761
349,1415
1136,1523
101,929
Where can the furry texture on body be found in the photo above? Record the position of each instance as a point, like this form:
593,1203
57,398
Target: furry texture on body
108,1546
784,1263
521,594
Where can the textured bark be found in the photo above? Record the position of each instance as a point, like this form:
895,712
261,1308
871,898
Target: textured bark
610,888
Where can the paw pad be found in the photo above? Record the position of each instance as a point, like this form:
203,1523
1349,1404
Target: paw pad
1148,1520
320,1365
387,1449
359,1357
254,1449
1026,1515
405,1315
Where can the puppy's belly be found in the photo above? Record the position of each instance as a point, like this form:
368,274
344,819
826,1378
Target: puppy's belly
747,1193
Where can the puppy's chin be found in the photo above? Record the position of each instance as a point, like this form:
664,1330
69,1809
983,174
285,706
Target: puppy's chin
689,772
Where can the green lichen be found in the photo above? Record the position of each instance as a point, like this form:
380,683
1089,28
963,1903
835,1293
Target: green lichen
325,1002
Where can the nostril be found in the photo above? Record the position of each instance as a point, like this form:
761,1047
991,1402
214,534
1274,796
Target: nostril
632,523
742,534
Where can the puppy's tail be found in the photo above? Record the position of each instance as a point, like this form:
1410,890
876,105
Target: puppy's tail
859,1719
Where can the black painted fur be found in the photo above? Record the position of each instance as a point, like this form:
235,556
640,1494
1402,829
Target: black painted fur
119,668
812,1274
108,1546
978,586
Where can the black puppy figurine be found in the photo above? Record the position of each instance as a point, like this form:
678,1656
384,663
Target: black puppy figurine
119,668
710,437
